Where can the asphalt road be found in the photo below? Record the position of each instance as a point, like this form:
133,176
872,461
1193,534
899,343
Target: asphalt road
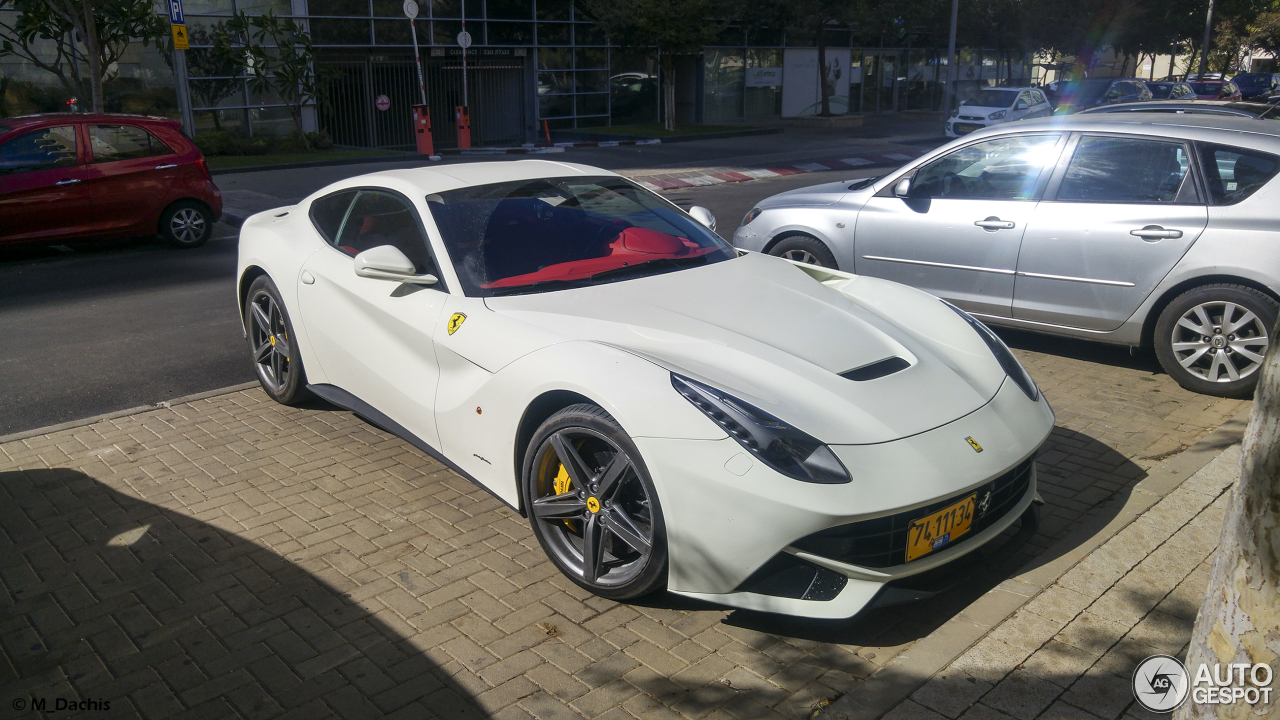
104,327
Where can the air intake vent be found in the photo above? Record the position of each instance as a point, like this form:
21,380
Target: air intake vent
877,369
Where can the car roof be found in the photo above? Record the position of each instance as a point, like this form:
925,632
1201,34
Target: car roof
1225,129
23,121
422,181
1240,106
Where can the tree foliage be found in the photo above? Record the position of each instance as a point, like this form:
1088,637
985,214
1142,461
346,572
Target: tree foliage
278,57
86,38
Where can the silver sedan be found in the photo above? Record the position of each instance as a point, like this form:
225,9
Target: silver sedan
1137,230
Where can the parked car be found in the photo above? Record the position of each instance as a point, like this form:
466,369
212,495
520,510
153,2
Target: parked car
992,106
1261,111
75,176
1215,90
1090,92
666,410
1161,90
1257,86
1135,229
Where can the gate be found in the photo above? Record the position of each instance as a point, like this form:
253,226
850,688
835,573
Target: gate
495,87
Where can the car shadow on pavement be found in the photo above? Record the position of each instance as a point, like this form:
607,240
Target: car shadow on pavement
114,598
1072,466
1079,349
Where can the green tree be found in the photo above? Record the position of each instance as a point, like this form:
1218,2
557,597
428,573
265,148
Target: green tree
278,57
673,27
85,38
215,65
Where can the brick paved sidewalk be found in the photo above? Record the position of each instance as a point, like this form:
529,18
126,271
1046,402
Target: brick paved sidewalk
229,557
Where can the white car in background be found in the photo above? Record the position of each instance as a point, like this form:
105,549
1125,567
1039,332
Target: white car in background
993,106
667,411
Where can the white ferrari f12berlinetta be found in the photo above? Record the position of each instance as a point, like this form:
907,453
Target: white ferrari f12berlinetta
666,410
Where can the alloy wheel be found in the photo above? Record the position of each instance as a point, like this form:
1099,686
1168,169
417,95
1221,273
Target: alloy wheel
803,256
187,225
1220,341
596,514
269,336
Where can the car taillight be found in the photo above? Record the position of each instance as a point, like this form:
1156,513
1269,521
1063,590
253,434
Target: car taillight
204,168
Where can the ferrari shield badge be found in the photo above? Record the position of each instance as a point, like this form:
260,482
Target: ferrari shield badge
456,321
972,443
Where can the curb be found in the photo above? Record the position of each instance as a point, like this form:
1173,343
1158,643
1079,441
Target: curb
122,413
903,675
404,157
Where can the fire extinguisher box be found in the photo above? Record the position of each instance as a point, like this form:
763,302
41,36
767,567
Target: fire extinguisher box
422,129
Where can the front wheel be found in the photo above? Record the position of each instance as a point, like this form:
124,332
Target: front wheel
1212,339
805,249
592,505
271,344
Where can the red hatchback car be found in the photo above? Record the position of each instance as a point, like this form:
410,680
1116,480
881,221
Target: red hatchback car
1214,90
64,177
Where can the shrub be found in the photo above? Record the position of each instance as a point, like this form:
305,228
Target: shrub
218,142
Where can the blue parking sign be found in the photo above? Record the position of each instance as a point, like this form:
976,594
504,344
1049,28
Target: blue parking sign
175,13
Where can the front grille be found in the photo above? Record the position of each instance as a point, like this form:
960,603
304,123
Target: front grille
882,542
970,117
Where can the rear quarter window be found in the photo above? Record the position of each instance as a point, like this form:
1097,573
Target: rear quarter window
1234,174
328,212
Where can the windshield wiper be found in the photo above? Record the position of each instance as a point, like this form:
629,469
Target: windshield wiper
644,268
541,286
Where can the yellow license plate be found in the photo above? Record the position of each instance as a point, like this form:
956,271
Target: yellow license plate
938,530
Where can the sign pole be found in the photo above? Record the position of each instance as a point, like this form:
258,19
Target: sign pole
411,12
466,43
178,26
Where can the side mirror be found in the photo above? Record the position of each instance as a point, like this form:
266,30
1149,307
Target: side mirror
387,262
704,216
903,188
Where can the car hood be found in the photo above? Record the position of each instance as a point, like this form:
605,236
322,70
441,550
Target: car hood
982,110
823,194
768,332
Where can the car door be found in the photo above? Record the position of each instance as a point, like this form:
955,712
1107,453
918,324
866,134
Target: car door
1121,213
42,188
374,338
129,175
957,233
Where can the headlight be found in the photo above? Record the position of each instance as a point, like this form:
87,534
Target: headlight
1003,354
755,213
997,115
955,112
782,447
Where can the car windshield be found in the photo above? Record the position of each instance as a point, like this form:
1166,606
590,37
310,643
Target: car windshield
1205,88
1251,79
992,98
1086,91
556,233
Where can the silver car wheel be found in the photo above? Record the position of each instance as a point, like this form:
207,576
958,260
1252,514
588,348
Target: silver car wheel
1220,341
803,256
187,225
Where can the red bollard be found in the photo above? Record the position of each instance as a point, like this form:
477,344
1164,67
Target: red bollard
463,116
422,129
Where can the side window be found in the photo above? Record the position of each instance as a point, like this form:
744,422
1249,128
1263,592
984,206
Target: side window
382,218
39,150
328,212
1025,100
123,142
1040,99
1005,168
1125,170
1234,174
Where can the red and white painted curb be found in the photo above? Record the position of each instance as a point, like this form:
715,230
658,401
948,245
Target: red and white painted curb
745,175
541,149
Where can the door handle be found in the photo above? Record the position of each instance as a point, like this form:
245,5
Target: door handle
165,167
1155,232
67,182
994,223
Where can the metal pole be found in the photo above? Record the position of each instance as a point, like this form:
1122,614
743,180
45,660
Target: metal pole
184,93
417,60
948,93
464,55
1204,50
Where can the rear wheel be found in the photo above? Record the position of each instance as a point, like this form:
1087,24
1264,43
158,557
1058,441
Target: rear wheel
1212,339
805,249
186,224
592,504
271,344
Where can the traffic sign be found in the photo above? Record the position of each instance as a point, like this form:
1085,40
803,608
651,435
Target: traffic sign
464,39
175,13
382,103
410,9
180,37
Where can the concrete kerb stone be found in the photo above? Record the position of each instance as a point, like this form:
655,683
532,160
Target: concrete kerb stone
895,682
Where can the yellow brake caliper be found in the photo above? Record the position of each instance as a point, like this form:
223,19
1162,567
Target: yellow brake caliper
560,484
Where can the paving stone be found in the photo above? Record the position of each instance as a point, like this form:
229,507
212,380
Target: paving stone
1022,695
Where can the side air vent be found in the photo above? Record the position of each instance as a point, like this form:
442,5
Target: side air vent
786,575
877,369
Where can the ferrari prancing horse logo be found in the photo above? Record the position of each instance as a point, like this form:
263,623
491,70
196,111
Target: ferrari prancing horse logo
455,322
972,443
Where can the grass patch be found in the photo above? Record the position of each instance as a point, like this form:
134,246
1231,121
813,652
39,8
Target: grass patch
221,162
657,130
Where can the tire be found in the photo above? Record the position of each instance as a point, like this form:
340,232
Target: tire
1212,339
186,224
805,249
275,356
596,496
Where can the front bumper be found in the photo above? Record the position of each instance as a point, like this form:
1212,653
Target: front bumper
727,515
